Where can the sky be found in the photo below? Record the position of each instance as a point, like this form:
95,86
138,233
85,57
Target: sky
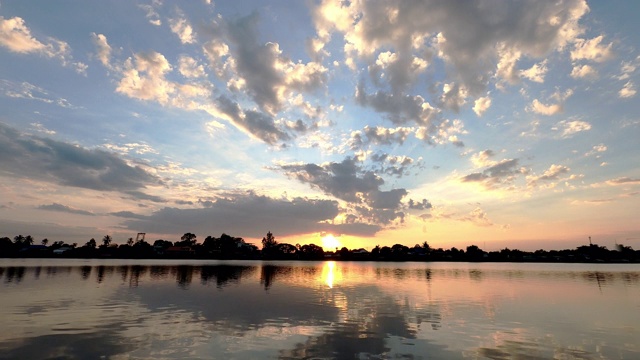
495,123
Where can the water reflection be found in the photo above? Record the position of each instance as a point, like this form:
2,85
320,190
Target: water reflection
294,310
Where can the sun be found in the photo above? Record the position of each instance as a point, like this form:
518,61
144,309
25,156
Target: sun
330,243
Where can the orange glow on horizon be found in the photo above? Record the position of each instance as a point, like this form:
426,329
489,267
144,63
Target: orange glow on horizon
330,243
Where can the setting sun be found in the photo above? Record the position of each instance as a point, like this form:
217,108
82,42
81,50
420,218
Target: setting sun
330,243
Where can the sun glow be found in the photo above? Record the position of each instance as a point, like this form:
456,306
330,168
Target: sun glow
330,243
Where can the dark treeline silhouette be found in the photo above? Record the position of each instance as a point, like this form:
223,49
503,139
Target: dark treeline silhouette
230,247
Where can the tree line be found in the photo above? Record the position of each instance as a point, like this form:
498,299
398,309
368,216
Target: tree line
230,247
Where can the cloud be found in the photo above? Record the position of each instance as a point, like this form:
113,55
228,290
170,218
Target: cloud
478,217
536,73
400,109
596,150
423,204
347,181
103,49
143,78
500,173
483,158
570,128
181,27
64,208
548,110
379,135
25,90
551,174
189,67
151,13
583,71
16,36
624,181
44,159
40,128
471,45
252,215
256,124
260,69
551,109
392,164
481,105
627,91
128,215
591,50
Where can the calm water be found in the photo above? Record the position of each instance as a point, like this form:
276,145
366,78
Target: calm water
118,309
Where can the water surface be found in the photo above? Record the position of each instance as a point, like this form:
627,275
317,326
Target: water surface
121,309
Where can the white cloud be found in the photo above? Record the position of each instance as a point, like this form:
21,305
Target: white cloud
536,73
29,91
493,39
103,49
570,128
16,36
189,67
181,27
591,50
548,110
551,109
596,150
583,71
143,78
628,68
551,175
481,105
627,91
483,158
151,13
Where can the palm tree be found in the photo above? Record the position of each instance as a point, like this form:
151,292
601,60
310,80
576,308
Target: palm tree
45,241
18,239
106,241
28,240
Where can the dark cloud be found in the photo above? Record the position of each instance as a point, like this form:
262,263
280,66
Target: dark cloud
504,172
393,165
139,195
423,204
251,215
28,156
344,180
128,215
347,181
256,62
399,109
258,124
64,208
261,66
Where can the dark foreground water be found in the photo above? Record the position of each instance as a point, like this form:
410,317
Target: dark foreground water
118,309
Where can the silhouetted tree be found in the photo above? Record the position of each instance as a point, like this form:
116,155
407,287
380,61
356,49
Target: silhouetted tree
375,252
311,251
45,241
18,240
269,241
91,243
130,241
106,241
188,239
28,240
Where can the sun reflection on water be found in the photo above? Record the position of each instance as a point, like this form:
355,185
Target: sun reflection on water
328,273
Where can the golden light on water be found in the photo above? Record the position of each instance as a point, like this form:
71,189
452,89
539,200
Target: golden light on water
328,273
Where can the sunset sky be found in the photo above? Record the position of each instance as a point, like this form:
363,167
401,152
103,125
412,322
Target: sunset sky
496,123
